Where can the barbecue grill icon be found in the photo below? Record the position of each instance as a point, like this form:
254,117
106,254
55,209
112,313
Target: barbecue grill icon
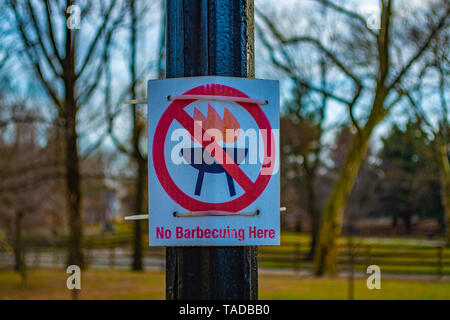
208,163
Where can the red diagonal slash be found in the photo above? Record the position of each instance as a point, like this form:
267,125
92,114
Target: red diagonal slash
226,162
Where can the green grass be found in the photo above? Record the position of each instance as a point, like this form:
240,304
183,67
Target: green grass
285,287
114,284
95,284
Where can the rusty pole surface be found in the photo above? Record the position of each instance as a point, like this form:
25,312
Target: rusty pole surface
210,37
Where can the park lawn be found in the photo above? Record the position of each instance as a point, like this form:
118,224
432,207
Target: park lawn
287,287
115,284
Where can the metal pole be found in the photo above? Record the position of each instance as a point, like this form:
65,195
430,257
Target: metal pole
210,37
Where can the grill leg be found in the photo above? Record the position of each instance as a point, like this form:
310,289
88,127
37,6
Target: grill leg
230,185
198,185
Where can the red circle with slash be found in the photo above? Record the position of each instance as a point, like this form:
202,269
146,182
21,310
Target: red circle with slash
176,111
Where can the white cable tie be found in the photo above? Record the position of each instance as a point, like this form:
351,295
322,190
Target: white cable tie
217,98
137,217
202,214
135,102
214,214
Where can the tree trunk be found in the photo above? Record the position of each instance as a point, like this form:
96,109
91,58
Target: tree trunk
445,188
408,224
140,188
18,243
326,248
313,213
73,193
72,164
19,248
325,260
136,137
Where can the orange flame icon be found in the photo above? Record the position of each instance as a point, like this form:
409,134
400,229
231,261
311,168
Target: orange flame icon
223,126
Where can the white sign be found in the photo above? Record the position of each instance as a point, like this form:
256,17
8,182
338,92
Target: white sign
213,162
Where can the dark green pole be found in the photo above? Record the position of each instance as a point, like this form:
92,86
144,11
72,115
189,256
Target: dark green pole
210,37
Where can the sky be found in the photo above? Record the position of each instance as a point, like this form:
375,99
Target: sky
149,33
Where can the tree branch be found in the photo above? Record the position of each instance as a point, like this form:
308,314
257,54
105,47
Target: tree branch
51,33
348,13
95,145
118,144
288,69
96,39
383,41
422,48
26,119
42,45
279,36
289,72
84,96
32,55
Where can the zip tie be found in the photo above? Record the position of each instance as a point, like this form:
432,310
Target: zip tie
135,102
205,97
217,98
203,214
137,217
214,214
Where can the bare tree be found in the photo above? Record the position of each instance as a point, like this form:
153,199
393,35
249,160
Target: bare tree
137,133
304,124
22,191
138,124
365,59
70,79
